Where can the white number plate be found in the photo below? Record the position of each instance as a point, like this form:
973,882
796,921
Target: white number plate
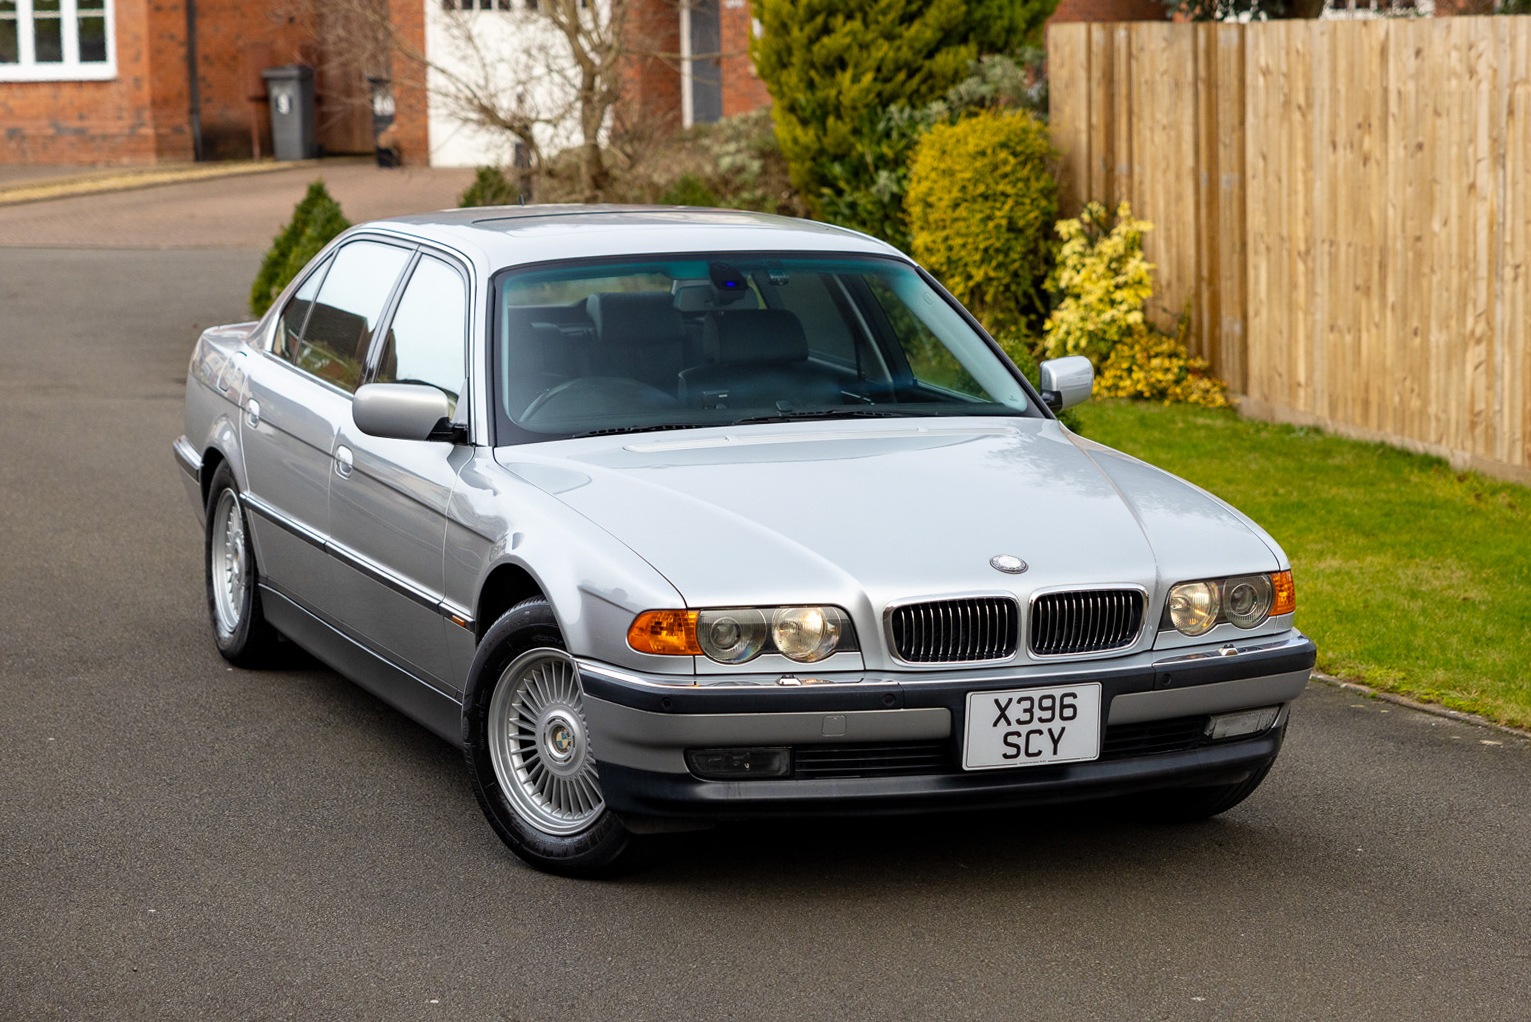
1032,727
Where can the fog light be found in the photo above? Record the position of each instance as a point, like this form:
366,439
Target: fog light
739,764
1245,722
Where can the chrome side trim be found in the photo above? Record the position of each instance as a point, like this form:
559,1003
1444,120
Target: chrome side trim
187,457
594,667
1126,647
382,575
365,565
1238,651
460,616
280,520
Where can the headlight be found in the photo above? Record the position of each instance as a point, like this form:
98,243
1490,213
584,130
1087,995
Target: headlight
732,636
1193,607
805,634
1246,601
737,635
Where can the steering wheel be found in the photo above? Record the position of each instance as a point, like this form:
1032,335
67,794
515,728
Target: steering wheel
587,393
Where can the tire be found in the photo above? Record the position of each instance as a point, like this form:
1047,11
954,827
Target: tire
537,781
1188,805
240,629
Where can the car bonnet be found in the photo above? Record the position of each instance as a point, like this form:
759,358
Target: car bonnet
819,511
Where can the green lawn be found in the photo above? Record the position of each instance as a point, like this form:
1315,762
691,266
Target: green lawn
1410,576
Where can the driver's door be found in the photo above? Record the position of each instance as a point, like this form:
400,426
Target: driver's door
388,499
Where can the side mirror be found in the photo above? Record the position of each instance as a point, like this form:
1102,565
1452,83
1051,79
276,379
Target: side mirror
1066,382
403,411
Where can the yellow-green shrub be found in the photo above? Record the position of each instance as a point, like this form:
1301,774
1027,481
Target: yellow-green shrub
981,203
1153,365
1103,280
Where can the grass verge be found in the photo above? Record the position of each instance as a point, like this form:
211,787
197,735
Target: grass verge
1411,576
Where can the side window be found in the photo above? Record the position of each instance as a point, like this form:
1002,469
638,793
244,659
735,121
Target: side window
290,330
427,339
930,361
334,344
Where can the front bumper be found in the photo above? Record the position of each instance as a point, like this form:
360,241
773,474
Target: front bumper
641,728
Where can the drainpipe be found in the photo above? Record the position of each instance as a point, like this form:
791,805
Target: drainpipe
687,89
193,88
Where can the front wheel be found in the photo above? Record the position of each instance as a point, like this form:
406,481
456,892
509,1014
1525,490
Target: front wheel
1187,805
528,748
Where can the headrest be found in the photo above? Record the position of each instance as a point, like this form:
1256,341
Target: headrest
640,317
760,335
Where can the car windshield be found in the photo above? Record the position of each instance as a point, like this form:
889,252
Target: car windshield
644,344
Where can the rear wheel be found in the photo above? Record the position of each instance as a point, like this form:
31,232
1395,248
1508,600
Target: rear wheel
528,748
233,595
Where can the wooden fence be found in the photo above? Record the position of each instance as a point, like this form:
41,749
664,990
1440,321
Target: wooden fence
1342,208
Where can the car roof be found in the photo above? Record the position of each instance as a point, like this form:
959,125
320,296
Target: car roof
518,235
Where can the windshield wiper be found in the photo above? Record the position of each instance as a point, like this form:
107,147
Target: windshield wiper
833,413
614,430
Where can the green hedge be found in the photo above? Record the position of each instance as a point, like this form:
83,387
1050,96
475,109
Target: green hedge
490,187
982,202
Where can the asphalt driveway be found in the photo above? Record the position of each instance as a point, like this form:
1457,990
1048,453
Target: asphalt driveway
183,840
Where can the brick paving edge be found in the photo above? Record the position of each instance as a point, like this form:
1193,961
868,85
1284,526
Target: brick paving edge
132,179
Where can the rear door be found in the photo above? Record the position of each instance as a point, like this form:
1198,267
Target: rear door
298,394
388,502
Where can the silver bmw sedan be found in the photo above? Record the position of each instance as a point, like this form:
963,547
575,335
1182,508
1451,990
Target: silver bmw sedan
668,516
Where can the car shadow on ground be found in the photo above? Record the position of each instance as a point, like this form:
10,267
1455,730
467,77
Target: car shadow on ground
951,847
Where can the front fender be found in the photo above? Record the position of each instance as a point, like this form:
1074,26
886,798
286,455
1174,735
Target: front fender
595,584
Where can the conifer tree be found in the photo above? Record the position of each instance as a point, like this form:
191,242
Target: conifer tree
835,68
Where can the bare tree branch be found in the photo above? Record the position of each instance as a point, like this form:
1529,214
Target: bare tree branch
562,81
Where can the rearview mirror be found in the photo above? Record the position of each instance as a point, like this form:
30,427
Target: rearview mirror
1066,382
402,411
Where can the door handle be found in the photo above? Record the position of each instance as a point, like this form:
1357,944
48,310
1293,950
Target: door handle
252,413
344,461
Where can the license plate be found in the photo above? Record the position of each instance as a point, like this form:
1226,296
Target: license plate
1032,727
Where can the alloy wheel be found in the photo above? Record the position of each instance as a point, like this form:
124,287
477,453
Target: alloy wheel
230,562
540,746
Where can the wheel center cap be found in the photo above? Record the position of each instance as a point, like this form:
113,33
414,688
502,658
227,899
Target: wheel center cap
560,738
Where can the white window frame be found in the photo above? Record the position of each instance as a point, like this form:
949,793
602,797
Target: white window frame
71,68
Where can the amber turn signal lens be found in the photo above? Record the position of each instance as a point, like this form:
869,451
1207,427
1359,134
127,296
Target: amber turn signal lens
666,632
1286,593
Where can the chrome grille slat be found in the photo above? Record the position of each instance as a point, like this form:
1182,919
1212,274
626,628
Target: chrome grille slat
966,630
1085,621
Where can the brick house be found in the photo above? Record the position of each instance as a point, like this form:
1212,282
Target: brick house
109,82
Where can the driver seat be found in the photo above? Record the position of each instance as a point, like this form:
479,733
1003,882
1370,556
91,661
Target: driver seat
762,362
